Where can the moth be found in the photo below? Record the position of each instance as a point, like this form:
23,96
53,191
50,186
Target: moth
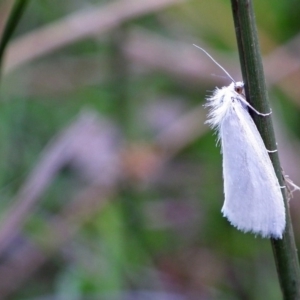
253,199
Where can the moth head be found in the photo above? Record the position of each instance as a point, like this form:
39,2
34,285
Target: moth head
239,87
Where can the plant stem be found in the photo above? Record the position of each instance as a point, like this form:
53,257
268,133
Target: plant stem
285,252
14,18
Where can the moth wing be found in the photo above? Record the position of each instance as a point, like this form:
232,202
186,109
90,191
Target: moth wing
253,199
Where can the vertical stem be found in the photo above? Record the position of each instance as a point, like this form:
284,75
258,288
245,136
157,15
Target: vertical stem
285,252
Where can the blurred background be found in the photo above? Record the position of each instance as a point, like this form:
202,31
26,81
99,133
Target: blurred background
110,183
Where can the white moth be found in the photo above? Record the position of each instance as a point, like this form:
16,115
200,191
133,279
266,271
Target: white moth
253,198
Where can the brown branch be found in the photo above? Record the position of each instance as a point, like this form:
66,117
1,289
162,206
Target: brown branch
76,27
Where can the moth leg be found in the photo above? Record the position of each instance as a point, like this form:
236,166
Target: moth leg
256,111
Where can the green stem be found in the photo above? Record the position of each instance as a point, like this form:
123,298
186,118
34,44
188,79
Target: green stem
12,22
285,252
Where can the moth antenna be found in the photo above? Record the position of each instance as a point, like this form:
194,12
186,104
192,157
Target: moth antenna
215,62
217,75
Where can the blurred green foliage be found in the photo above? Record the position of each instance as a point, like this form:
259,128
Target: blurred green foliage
163,236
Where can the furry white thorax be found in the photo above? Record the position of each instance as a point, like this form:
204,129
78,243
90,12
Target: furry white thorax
221,102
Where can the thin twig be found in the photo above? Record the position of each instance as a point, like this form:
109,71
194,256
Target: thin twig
284,250
12,22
